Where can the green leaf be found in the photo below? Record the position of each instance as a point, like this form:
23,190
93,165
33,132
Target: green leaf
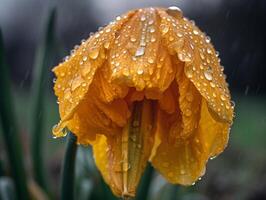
10,130
68,168
42,68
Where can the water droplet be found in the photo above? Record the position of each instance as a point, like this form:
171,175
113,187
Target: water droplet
153,39
133,39
212,84
208,39
184,56
189,73
151,22
208,74
93,54
106,44
76,83
67,93
164,28
118,18
196,32
150,60
175,12
142,18
171,38
85,70
152,30
140,71
140,51
84,58
223,98
182,171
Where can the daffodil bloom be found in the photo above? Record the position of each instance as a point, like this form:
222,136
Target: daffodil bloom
148,87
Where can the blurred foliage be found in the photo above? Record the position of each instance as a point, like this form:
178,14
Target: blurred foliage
239,173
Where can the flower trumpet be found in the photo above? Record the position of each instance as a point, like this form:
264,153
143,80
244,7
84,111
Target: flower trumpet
148,87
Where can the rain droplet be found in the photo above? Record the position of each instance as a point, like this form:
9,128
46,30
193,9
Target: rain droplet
150,60
93,54
196,32
208,74
140,51
140,71
133,39
164,28
76,83
175,12
142,18
67,93
84,58
189,73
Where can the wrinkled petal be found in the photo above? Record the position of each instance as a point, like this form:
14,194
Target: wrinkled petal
76,74
202,65
137,59
189,103
126,154
183,160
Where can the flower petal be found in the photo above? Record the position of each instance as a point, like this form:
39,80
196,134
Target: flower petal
75,75
189,102
122,157
202,65
137,58
181,160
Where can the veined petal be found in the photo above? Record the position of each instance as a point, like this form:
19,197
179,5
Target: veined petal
181,160
202,65
126,154
76,74
137,58
189,103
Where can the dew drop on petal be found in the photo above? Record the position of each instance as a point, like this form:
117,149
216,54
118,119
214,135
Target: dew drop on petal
140,51
93,54
208,75
174,12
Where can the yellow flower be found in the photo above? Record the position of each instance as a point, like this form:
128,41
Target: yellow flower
147,87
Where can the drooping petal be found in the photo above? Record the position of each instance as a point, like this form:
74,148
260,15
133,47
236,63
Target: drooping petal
126,154
202,65
137,58
181,160
189,102
75,75
100,112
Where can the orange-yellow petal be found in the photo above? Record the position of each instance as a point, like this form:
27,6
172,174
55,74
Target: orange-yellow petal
202,65
182,160
75,75
122,158
137,58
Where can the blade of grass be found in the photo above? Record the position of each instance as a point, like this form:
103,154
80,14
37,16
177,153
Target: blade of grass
40,85
10,130
68,168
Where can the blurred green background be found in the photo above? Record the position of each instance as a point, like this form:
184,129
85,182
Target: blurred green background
38,34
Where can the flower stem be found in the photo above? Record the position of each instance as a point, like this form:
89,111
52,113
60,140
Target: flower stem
68,170
10,130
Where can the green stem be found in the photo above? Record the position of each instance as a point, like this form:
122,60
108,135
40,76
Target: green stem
10,130
145,183
40,86
68,170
